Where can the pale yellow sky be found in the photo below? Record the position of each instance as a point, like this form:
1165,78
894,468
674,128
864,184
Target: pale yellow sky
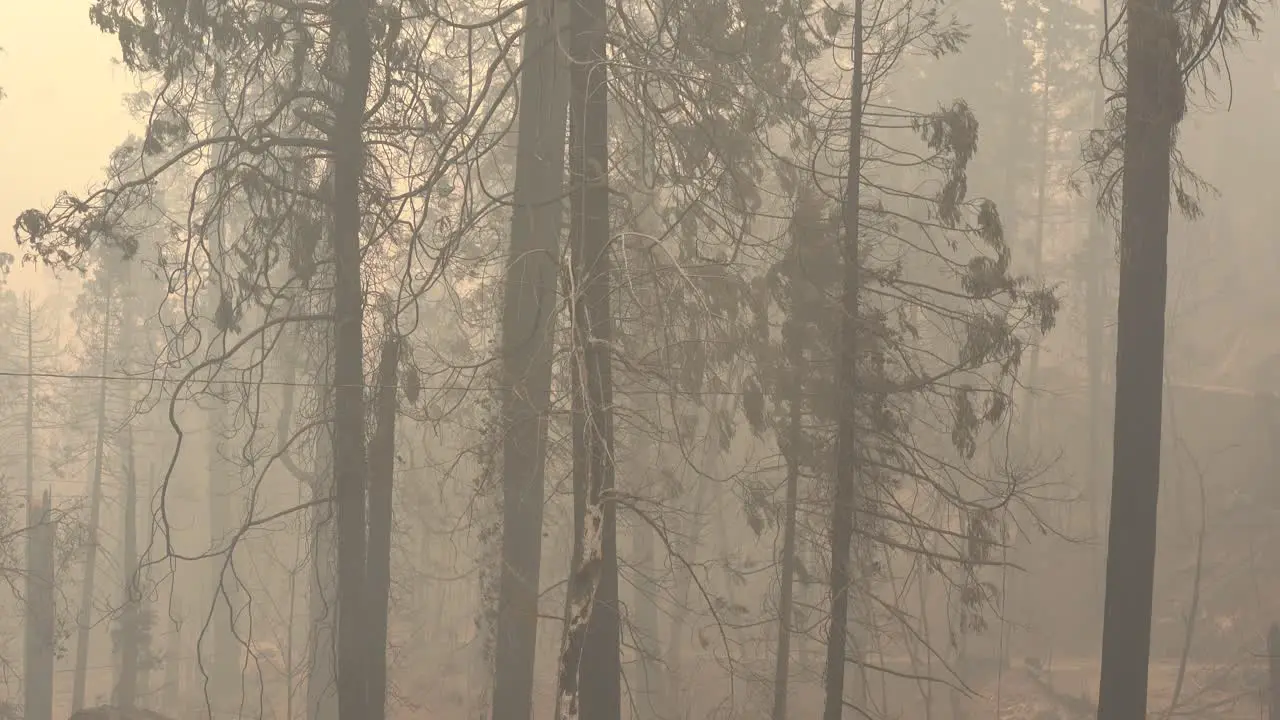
63,110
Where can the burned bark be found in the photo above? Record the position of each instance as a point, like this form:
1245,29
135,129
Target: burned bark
848,401
590,682
1154,102
382,464
526,344
351,30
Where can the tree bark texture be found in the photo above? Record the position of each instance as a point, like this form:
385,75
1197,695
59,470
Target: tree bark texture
527,342
590,669
848,400
1154,101
351,30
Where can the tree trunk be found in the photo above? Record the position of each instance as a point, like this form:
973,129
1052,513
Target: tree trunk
322,613
1273,672
786,581
41,615
223,688
1037,252
1095,274
847,451
526,344
224,679
31,404
146,618
923,640
351,31
127,687
1154,101
1017,606
382,467
322,580
590,668
84,620
307,482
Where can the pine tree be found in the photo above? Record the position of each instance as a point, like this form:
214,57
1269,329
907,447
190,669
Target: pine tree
1164,45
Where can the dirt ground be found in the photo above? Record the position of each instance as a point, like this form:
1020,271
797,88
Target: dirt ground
1207,691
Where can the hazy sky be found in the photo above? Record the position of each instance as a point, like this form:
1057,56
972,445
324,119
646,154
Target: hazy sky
63,109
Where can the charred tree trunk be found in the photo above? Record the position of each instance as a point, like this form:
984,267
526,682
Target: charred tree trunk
355,48
1095,294
319,691
1154,100
84,620
848,400
223,682
382,466
791,452
1037,252
322,578
127,687
31,403
527,337
40,612
322,596
1273,672
590,667
223,689
146,616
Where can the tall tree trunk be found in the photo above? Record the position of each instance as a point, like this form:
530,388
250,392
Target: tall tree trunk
1037,252
224,685
922,643
127,686
782,664
529,302
848,400
39,625
1154,102
31,404
791,453
320,694
590,667
291,624
1014,146
1095,279
1016,602
223,688
322,611
382,467
84,619
355,48
146,618
322,578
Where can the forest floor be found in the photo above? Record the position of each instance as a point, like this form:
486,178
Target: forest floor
1069,689
1063,691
